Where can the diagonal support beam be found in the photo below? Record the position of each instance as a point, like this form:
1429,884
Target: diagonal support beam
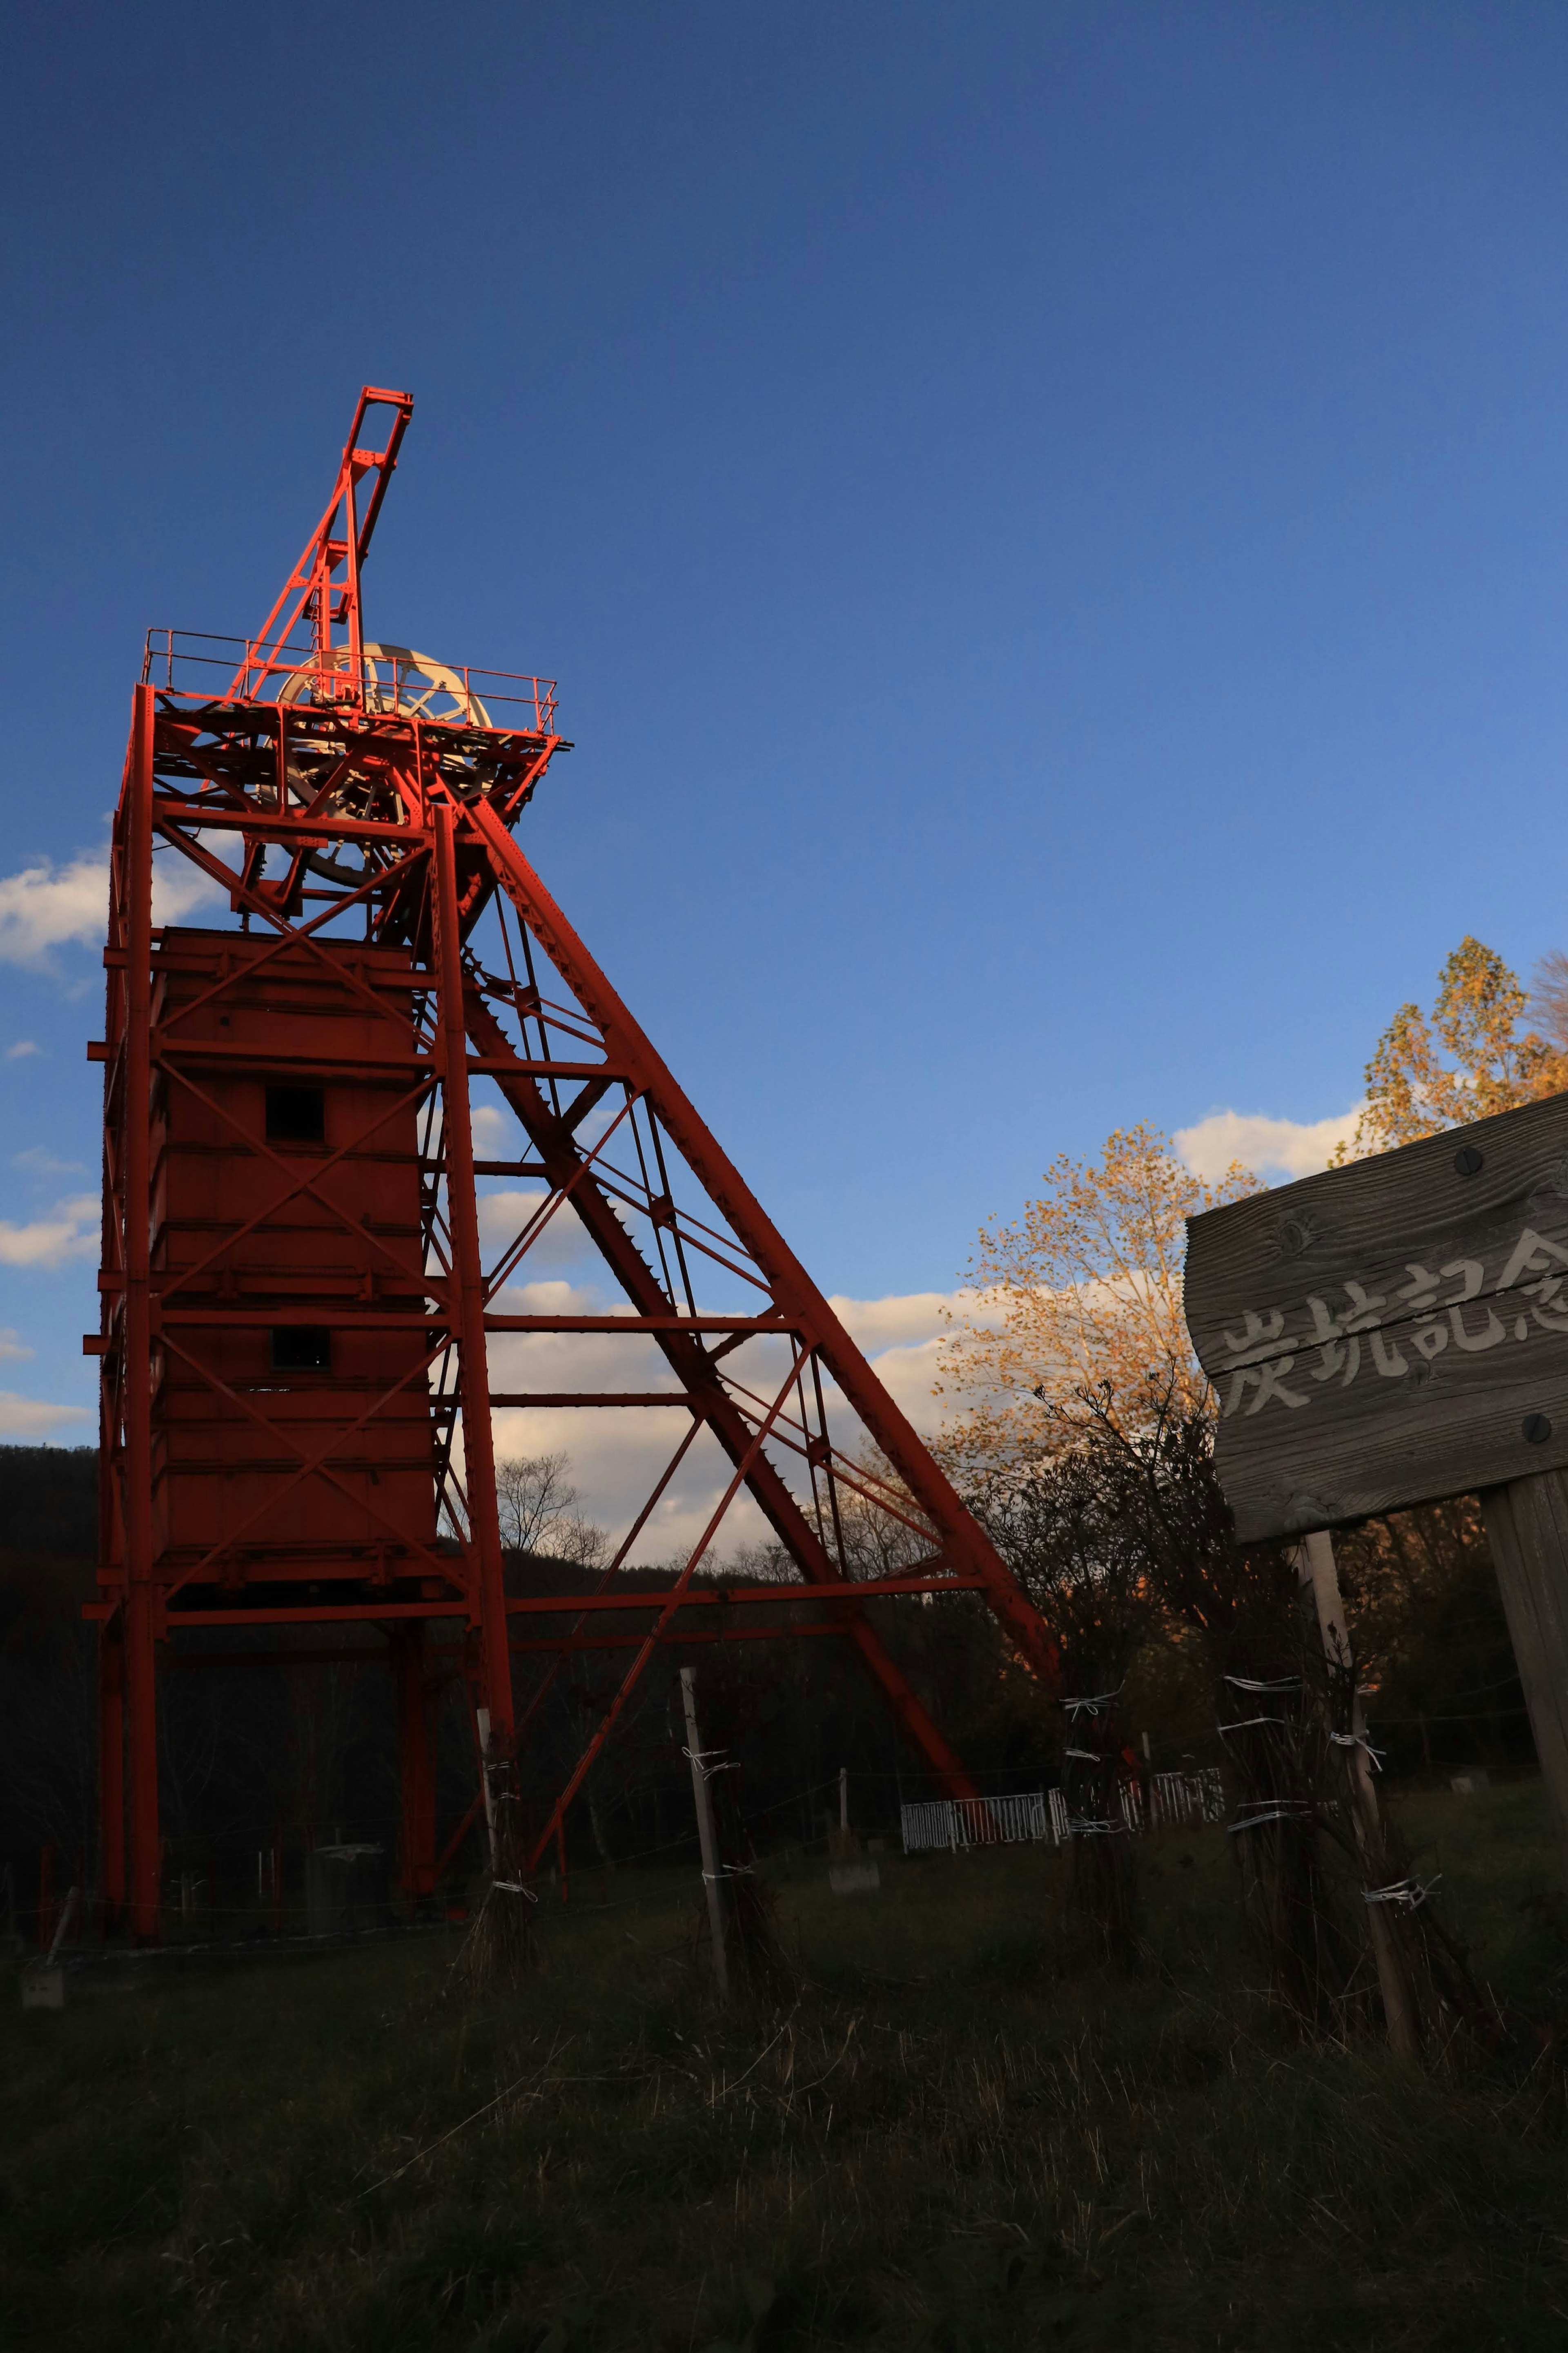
707,1395
630,1050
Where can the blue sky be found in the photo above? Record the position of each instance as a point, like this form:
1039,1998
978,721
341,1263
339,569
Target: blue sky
1048,521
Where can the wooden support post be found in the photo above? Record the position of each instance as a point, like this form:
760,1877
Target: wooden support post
1315,1566
482,1726
1526,1529
706,1836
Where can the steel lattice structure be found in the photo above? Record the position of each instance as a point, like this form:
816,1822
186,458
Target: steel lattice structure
302,1286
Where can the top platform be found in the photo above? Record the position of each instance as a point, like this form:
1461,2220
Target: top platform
396,681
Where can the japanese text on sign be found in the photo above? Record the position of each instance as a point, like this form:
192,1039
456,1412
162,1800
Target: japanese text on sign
1273,1360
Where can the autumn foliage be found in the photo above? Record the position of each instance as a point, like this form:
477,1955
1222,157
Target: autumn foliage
1084,1290
1471,1056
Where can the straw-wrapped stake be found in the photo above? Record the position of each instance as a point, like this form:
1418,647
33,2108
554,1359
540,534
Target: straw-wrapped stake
501,1946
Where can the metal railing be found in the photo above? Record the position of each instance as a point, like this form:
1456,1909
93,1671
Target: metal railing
958,1823
1180,1800
198,667
1177,1800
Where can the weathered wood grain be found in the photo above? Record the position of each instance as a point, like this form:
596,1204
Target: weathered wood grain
1390,1332
1527,1532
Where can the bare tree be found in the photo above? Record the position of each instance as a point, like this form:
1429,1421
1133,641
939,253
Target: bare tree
1548,998
539,1510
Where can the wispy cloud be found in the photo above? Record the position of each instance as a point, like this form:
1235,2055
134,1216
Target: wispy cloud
1273,1148
23,1047
562,1242
23,1417
46,906
71,1230
39,1161
617,1456
13,1349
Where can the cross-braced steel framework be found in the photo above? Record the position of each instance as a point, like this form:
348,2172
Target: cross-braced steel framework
310,1309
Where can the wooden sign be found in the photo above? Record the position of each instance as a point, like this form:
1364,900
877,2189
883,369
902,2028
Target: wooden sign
1390,1332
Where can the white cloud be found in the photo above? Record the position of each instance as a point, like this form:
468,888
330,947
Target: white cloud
617,1455
12,1348
71,1230
23,1417
46,906
1273,1148
562,1242
23,1047
41,1162
902,1318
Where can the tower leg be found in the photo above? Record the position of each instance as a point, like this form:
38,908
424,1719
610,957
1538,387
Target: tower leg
142,1771
478,1448
111,1771
417,1873
140,1678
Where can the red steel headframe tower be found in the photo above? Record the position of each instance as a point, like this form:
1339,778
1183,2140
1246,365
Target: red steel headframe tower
310,1309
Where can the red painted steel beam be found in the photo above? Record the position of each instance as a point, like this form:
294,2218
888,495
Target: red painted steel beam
683,1352
135,1116
650,1641
543,1400
111,1769
458,1142
342,538
792,1287
708,1593
678,1637
626,1046
649,1321
290,1613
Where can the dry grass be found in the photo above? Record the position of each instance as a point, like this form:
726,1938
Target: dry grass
954,2138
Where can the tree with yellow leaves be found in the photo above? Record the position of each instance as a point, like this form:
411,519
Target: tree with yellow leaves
1085,1289
1471,1056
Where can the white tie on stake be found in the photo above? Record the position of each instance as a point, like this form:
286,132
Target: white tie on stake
1411,1893
1094,1704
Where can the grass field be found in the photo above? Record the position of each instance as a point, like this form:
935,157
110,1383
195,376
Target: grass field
954,2140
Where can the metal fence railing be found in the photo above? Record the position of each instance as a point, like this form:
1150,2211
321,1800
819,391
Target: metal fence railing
196,667
1180,1799
1040,1817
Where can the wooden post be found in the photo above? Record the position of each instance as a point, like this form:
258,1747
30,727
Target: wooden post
1526,1529
1316,1566
706,1837
482,1725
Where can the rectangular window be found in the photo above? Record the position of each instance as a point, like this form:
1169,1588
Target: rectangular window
301,1348
296,1115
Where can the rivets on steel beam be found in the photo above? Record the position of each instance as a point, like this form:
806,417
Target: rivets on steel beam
1469,1160
1536,1428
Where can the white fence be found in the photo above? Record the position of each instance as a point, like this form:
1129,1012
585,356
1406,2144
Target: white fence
1184,1800
957,1822
1177,1800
